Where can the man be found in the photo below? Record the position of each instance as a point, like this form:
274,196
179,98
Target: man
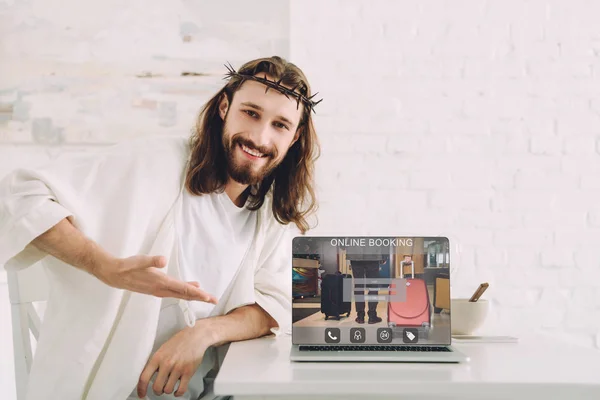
365,262
159,250
365,269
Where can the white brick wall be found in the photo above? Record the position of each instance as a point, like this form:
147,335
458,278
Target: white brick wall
485,120
475,120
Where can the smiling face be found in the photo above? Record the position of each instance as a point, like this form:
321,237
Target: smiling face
259,129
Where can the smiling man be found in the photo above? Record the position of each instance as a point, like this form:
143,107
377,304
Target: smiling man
160,250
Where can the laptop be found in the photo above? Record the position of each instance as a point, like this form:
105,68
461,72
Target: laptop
373,299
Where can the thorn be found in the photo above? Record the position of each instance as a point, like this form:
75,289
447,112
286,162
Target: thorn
310,98
314,104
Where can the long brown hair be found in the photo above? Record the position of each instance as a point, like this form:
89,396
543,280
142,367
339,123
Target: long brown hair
292,182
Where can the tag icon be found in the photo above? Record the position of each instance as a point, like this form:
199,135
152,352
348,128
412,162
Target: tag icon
410,335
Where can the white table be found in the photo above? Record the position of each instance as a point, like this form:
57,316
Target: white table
534,368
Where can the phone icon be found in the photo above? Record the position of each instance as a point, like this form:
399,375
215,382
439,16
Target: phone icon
332,335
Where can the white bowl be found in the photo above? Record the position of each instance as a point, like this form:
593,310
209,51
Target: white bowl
467,317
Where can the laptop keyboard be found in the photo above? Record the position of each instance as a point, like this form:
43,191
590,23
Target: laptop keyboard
374,348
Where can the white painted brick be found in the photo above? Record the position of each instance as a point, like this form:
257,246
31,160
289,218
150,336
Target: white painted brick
519,321
509,140
361,170
429,223
589,182
587,258
588,275
583,145
575,200
580,121
549,218
354,143
523,200
474,237
546,145
586,297
500,69
458,127
551,165
432,145
487,257
557,257
539,179
517,297
472,200
522,237
594,103
462,165
541,126
549,278
462,257
471,144
523,257
593,219
582,319
490,220
430,179
580,241
553,304
409,200
481,175
404,143
572,164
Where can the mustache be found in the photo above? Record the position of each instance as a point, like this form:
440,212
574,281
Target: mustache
269,152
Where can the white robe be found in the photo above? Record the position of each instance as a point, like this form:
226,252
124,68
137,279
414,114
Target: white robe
95,340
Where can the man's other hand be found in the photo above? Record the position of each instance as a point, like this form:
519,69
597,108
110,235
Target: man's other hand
175,361
141,274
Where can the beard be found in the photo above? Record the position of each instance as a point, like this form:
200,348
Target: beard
245,172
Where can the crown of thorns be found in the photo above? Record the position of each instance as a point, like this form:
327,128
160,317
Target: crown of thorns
307,101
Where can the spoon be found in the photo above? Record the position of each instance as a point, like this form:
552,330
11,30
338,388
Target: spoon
482,288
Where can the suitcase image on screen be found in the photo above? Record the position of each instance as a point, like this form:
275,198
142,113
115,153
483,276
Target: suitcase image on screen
332,299
416,310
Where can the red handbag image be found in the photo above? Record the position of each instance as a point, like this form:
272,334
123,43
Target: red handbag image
415,311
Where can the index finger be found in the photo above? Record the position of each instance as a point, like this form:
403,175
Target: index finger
145,377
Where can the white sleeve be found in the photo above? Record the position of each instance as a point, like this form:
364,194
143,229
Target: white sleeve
94,189
28,208
273,282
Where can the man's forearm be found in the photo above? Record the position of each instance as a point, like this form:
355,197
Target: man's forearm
67,243
247,322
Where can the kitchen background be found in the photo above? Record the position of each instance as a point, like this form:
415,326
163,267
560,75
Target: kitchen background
475,120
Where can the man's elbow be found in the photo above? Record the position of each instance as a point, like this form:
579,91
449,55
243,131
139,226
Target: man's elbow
268,321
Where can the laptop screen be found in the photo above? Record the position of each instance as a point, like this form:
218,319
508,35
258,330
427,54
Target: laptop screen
371,290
